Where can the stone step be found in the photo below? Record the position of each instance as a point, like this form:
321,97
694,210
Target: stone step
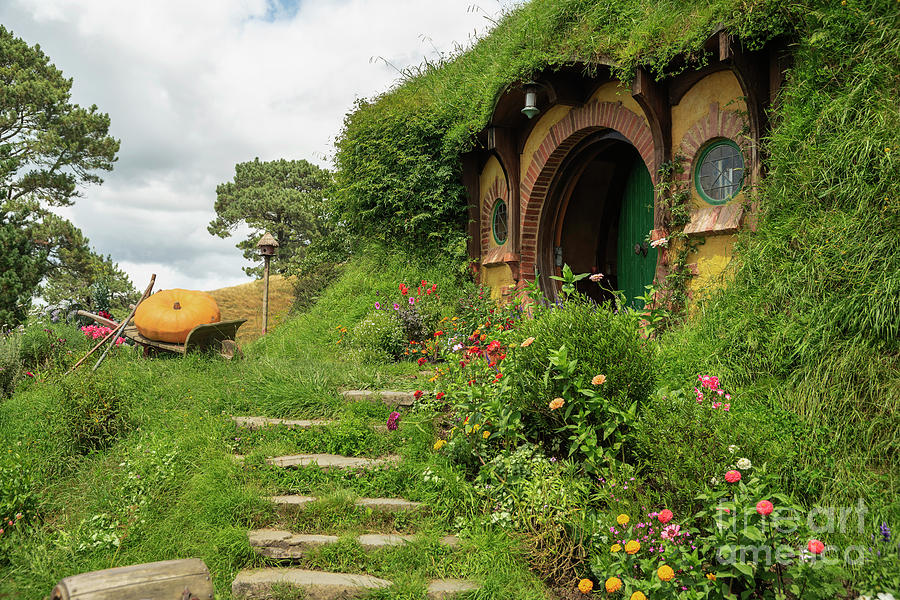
285,545
443,589
331,461
260,422
376,504
316,585
389,397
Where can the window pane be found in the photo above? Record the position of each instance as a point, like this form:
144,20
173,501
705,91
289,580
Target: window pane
721,172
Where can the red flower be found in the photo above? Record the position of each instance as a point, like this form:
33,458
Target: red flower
665,516
422,361
498,377
438,333
815,546
403,289
418,394
440,395
764,507
29,373
733,476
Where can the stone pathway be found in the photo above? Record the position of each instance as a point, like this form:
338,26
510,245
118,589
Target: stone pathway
282,545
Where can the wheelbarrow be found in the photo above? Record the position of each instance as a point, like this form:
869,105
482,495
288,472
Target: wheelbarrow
217,337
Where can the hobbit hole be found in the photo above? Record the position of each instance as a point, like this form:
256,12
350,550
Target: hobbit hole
576,184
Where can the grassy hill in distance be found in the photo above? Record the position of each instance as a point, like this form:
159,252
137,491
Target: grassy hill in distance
244,301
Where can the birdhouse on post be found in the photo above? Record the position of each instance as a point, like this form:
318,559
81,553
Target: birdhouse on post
266,246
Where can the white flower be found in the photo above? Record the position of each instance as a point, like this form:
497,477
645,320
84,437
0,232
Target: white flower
596,277
864,598
732,448
886,596
714,481
744,463
664,242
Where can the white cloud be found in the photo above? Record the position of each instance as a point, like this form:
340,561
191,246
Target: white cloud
194,87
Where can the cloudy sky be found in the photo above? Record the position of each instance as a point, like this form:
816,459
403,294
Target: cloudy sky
193,87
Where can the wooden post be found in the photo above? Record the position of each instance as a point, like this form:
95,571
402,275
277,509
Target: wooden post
265,315
266,246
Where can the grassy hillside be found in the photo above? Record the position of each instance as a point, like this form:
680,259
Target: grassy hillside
244,301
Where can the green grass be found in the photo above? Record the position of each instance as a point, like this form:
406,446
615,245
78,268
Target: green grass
164,485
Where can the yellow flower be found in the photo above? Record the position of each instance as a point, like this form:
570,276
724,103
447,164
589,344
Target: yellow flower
632,547
623,519
527,342
476,426
638,596
486,434
665,573
556,403
616,548
711,576
598,379
440,444
585,586
613,584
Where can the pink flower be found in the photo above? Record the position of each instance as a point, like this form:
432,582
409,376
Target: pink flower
815,546
733,476
392,422
665,516
29,374
764,507
671,532
727,407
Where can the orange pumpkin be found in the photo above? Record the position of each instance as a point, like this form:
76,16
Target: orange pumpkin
169,315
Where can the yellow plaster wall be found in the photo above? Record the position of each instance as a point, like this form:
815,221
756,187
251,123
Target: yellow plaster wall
614,91
711,258
540,131
496,277
721,87
492,171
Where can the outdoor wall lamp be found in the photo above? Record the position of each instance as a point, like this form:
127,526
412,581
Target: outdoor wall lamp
531,108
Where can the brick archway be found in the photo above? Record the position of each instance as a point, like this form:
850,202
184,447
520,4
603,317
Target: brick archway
559,141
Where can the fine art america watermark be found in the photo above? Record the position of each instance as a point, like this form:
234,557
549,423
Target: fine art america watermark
784,522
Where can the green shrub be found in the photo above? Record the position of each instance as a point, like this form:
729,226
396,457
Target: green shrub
10,362
47,345
603,341
380,334
92,411
762,433
17,493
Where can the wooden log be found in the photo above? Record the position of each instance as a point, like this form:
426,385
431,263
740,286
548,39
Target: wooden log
111,333
165,580
102,320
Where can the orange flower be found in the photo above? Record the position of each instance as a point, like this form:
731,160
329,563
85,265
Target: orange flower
556,403
585,586
613,584
711,576
598,379
638,596
527,342
665,573
632,547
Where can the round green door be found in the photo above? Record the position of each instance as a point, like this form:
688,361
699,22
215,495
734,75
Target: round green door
636,260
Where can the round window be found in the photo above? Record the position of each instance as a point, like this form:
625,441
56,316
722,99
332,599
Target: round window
720,172
499,224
